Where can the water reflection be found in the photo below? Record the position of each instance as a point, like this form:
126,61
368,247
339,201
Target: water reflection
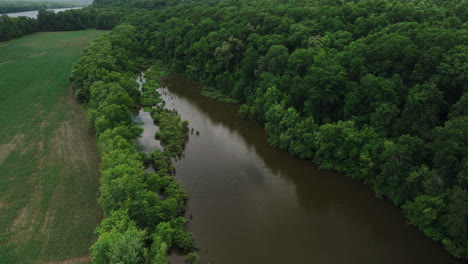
147,141
33,14
252,203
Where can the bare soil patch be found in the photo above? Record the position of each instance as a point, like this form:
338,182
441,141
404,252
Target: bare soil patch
6,149
36,54
29,56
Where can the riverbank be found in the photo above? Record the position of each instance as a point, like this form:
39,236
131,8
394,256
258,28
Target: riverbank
143,210
34,13
330,91
246,195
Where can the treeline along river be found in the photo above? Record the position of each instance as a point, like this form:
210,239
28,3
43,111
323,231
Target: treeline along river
252,203
33,14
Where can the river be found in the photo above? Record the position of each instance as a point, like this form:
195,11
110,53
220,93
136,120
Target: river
33,14
252,203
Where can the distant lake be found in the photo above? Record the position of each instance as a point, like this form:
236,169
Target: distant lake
33,14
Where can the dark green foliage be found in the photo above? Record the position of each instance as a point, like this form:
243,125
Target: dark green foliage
76,19
80,19
395,162
422,110
425,212
150,97
192,258
374,89
15,27
130,197
13,7
156,71
456,223
162,161
173,133
450,150
339,146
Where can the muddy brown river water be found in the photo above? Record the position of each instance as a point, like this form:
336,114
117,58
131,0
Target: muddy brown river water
252,203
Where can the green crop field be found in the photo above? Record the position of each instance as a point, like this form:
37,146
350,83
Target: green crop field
48,162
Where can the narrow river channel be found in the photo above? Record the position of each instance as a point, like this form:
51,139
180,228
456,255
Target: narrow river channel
252,203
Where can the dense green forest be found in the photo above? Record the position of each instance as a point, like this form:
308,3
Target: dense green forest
374,89
12,7
15,27
143,211
102,18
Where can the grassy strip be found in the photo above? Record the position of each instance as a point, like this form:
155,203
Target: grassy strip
139,226
217,95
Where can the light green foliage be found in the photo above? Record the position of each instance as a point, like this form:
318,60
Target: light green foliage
192,258
117,138
280,126
167,235
173,133
107,60
425,213
150,97
112,93
174,234
156,71
162,161
262,102
304,134
120,241
159,251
